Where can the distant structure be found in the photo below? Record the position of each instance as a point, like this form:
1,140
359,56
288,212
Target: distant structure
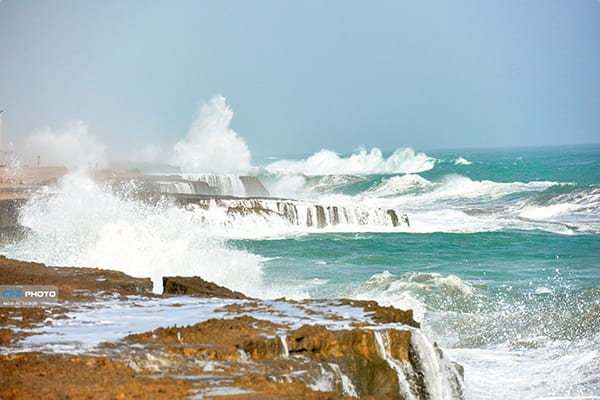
1,111
2,155
7,157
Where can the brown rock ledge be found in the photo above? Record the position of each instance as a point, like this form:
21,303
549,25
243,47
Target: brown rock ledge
239,357
74,284
196,286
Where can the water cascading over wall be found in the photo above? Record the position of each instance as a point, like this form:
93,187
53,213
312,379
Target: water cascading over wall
210,185
303,214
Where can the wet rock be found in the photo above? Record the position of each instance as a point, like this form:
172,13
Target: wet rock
255,358
215,339
9,212
393,217
321,221
356,353
74,284
59,376
196,286
251,207
384,315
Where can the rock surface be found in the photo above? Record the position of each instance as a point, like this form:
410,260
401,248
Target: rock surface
251,349
196,286
74,283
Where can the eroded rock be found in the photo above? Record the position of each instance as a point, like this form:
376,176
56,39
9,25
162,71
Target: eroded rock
196,286
60,376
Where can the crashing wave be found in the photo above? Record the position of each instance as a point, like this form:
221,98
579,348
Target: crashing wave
462,161
211,146
362,162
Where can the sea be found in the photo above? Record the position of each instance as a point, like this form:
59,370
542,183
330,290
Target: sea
497,251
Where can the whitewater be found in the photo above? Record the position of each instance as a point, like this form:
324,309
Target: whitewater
495,250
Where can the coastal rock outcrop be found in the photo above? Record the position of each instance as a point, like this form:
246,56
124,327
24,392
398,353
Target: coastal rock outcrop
240,349
196,286
74,283
384,363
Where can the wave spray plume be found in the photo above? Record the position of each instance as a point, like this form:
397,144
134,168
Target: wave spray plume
362,162
211,146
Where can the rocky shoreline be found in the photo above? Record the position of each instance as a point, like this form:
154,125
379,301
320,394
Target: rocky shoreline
111,337
280,349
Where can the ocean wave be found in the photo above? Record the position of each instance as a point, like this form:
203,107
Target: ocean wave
362,162
567,203
332,183
84,224
421,291
462,161
211,146
549,333
398,185
458,186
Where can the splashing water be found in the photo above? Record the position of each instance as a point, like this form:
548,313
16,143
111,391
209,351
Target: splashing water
72,147
84,224
211,146
327,162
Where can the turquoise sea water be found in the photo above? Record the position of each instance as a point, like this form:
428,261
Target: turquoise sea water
500,261
506,276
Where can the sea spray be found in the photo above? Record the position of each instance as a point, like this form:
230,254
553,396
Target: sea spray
85,224
72,147
267,218
211,146
362,162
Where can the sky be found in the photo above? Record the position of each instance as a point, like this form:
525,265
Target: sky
300,76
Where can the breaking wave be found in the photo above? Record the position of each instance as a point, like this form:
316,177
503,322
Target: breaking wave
362,162
84,224
211,146
550,338
462,161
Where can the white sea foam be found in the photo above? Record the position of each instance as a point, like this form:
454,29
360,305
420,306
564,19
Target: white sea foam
419,292
418,190
330,183
458,186
211,146
84,224
398,185
287,185
268,218
546,212
462,161
362,162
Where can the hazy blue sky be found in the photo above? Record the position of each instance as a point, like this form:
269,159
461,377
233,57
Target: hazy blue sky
306,75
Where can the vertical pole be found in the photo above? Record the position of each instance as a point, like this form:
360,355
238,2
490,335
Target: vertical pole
1,111
2,156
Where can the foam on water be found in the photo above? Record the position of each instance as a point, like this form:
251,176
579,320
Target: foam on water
84,224
514,343
398,185
462,161
362,162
